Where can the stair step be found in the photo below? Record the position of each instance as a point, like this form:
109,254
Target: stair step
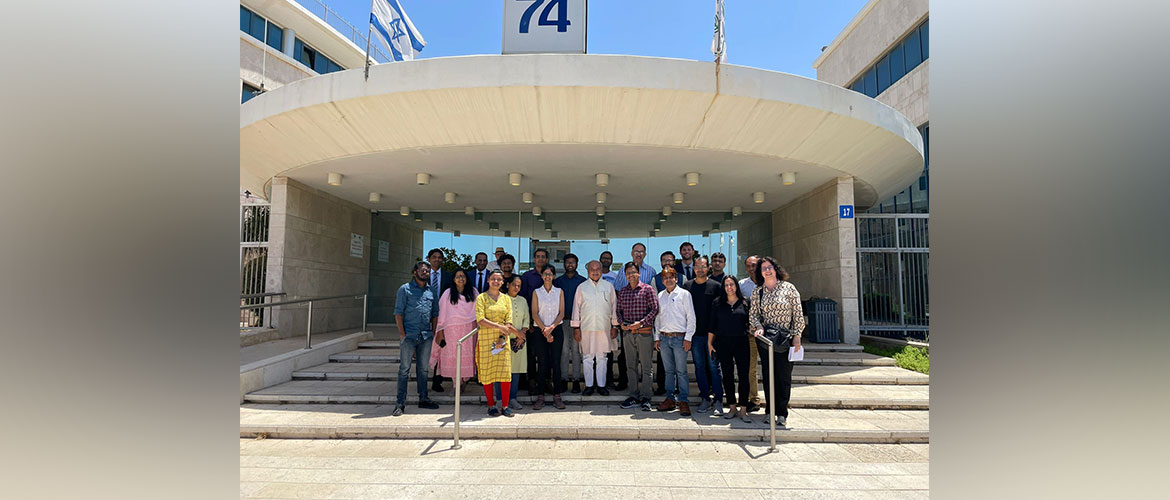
812,347
579,422
810,374
892,397
389,355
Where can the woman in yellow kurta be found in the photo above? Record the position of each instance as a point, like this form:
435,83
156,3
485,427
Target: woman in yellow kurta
493,354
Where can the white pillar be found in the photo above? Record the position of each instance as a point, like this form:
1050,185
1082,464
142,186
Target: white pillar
289,37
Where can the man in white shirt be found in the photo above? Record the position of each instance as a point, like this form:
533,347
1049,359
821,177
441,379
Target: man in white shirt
494,264
673,329
594,323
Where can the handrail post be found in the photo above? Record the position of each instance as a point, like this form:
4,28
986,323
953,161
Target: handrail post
772,393
365,304
458,392
309,328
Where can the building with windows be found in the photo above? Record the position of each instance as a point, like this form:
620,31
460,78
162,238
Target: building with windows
550,147
884,53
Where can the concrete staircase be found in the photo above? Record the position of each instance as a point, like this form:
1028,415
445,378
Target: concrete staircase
840,394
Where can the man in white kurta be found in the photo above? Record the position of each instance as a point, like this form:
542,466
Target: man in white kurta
594,323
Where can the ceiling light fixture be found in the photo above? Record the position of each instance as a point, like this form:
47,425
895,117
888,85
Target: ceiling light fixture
494,226
417,217
468,210
554,234
601,211
507,234
422,178
375,197
692,178
536,211
449,197
601,197
727,216
678,198
404,211
602,180
714,226
457,233
706,234
334,179
479,217
438,225
526,197
788,178
514,178
666,210
758,197
737,211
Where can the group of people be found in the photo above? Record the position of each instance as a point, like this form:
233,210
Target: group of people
550,331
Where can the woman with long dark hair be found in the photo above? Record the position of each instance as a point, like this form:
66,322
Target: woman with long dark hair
456,318
729,342
775,304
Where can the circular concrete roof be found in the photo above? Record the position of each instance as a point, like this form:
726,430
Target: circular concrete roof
560,119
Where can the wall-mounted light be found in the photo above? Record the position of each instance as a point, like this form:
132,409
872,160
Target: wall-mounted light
601,225
666,210
661,217
548,226
457,233
375,197
737,211
758,197
602,180
657,226
601,197
404,210
417,217
449,197
422,178
788,178
678,198
468,210
334,179
692,178
494,226
514,178
536,211
526,197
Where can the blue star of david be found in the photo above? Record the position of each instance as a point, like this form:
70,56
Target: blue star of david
396,25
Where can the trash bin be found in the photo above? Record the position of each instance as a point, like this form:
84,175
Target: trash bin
823,326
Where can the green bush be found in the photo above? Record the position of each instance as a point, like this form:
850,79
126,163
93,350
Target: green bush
908,357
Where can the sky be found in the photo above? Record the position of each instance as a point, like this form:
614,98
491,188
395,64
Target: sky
778,35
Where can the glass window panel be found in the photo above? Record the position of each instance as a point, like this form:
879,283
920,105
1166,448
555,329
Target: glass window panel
321,64
275,36
257,29
333,67
923,36
897,64
883,74
859,85
298,49
871,83
245,19
913,51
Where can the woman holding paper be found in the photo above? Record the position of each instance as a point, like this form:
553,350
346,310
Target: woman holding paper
776,303
493,357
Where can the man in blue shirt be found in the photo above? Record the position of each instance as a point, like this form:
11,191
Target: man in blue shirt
570,349
667,260
415,312
645,272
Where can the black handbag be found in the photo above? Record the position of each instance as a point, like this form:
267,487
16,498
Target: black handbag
781,337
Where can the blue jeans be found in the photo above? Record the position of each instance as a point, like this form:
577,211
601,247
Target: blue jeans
511,392
419,348
674,360
707,373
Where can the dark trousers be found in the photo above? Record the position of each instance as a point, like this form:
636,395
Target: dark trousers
783,377
530,375
548,359
622,379
659,371
734,360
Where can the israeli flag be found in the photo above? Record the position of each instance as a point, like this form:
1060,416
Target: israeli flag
395,30
718,41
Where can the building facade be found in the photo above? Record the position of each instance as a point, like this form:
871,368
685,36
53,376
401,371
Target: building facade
884,53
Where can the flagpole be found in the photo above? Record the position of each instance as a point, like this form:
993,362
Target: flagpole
369,35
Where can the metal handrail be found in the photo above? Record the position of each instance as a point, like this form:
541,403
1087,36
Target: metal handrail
458,382
771,391
309,322
258,295
354,35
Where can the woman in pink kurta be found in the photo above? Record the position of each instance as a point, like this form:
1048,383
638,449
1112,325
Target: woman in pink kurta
456,318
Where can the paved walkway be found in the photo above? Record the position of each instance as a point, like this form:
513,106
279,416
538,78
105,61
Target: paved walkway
521,469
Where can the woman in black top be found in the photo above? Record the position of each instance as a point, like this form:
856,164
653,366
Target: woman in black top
728,340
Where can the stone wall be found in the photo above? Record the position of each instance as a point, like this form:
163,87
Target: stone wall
886,22
910,95
755,239
309,256
274,69
819,249
404,248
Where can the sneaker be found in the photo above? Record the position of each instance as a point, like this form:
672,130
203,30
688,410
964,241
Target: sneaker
684,409
630,402
515,404
576,387
588,391
781,421
398,410
508,412
717,408
560,405
428,405
666,405
493,412
646,404
705,406
603,391
539,402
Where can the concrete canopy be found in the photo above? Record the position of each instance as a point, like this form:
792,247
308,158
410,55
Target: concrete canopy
560,119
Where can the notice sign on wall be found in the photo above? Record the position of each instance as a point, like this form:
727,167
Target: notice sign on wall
383,251
549,26
356,241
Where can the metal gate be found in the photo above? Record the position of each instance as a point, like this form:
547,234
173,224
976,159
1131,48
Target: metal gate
893,264
253,262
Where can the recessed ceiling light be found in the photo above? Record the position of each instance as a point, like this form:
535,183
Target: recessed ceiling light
758,197
334,179
423,178
692,178
375,197
404,211
526,197
514,178
788,178
602,180
601,197
678,198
